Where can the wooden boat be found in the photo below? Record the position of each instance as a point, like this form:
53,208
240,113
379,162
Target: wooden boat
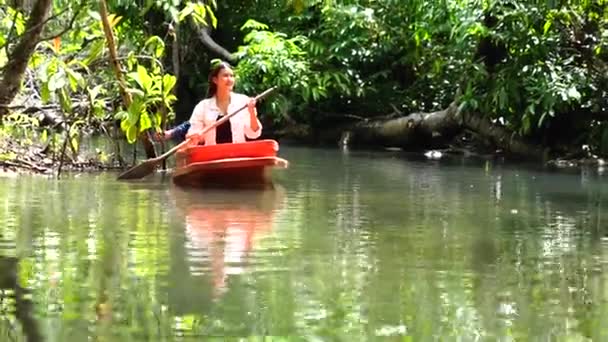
245,164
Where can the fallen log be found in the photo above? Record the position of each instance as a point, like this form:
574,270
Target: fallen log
420,131
411,131
503,138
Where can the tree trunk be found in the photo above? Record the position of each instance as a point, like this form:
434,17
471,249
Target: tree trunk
126,96
410,131
427,130
204,34
20,56
502,137
24,5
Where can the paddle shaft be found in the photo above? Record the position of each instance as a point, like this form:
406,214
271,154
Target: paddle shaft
215,125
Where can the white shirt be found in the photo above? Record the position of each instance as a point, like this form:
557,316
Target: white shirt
206,112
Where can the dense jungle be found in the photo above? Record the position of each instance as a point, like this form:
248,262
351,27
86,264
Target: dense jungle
480,77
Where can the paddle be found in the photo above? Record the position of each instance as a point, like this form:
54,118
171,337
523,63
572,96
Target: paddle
149,165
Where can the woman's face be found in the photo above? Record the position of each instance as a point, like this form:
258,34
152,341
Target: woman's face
224,79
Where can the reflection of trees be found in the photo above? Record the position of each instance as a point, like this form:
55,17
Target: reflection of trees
91,256
379,247
14,295
449,250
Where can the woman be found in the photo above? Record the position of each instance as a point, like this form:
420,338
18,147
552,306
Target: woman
220,101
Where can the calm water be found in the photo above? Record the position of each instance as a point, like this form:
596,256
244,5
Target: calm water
351,246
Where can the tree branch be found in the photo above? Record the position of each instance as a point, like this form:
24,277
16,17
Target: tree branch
16,65
122,84
10,33
70,24
29,108
205,38
37,26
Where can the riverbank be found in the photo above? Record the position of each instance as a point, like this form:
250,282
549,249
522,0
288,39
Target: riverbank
19,156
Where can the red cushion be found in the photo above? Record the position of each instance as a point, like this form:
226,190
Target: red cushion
250,149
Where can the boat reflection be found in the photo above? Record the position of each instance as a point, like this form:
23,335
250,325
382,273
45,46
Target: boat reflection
221,229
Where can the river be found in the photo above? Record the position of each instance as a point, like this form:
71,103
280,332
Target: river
349,246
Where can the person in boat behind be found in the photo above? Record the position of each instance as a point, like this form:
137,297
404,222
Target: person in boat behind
220,101
177,133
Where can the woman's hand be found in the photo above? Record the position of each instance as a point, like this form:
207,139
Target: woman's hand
253,115
194,137
251,106
162,136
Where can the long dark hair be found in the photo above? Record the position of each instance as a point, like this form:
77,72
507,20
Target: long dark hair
215,70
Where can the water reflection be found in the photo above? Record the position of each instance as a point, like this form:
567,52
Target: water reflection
221,228
356,247
15,300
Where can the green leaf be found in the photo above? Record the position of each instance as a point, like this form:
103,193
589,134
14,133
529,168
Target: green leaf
145,81
185,12
65,101
174,14
547,26
144,122
45,93
169,99
93,92
75,78
74,142
124,125
200,13
122,115
136,92
95,15
573,93
95,51
168,84
157,44
132,134
212,16
131,60
135,110
158,119
542,119
253,25
526,124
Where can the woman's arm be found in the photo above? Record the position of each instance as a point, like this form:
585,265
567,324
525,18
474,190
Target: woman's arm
253,128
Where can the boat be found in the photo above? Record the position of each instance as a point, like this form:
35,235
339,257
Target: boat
246,164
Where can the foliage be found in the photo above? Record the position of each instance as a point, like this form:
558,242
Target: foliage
270,58
549,69
537,67
151,91
150,86
67,68
420,56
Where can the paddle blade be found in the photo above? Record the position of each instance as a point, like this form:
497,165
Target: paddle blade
139,171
